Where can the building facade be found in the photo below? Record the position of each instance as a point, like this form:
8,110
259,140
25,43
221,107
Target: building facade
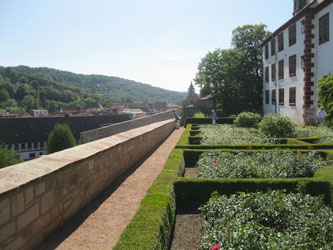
295,57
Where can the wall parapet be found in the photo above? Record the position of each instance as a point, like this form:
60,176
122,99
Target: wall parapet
99,133
39,195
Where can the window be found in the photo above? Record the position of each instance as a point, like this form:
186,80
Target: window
35,144
292,96
32,155
273,96
281,69
273,71
281,96
16,146
299,4
280,42
324,34
292,65
267,97
22,146
292,34
273,46
42,144
267,74
29,145
266,51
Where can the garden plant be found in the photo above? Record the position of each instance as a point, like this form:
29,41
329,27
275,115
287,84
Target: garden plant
247,120
227,134
272,220
262,164
277,126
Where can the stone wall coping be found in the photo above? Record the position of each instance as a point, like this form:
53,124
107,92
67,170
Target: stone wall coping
15,176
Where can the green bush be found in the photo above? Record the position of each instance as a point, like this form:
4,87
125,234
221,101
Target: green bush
59,139
8,157
325,97
199,115
272,220
277,126
247,120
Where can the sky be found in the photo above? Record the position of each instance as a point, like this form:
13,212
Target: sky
158,42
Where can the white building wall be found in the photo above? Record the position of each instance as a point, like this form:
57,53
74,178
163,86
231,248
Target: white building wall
294,112
323,52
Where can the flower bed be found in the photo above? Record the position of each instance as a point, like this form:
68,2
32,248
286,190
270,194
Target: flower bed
227,134
272,220
325,134
262,164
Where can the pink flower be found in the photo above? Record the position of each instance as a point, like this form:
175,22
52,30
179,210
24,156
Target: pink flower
214,161
216,247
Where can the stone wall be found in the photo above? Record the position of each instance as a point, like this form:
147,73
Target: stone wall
99,133
39,195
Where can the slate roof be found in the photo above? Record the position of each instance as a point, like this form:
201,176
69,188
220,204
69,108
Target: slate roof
19,130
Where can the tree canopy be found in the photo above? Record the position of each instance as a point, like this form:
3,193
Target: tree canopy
59,139
8,158
60,89
234,76
325,97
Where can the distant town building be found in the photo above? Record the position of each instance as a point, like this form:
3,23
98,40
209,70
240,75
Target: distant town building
28,136
295,57
39,112
134,113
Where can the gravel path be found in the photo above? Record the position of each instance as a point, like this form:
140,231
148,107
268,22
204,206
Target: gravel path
99,224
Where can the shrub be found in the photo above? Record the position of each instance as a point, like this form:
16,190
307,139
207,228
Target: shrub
277,126
247,120
60,138
325,97
199,115
8,157
272,220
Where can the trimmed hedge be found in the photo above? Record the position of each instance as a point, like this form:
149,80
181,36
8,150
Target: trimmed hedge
151,226
194,190
221,120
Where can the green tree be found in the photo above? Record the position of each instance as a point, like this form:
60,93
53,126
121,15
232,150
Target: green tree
234,76
325,97
8,158
4,96
29,102
59,139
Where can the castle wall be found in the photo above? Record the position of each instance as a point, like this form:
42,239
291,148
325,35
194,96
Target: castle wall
38,196
99,133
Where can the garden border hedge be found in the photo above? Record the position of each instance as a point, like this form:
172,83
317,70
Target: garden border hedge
152,224
220,120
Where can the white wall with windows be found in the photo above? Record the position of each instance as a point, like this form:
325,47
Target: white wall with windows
294,111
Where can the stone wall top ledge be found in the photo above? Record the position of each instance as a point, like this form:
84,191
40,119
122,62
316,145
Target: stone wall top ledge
15,176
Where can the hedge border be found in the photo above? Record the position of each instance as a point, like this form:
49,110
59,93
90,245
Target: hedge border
152,224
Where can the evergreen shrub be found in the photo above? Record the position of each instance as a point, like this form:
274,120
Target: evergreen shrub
277,126
247,120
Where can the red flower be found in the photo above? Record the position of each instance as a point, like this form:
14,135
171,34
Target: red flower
214,161
216,247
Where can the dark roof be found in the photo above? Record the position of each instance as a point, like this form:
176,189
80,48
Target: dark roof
19,130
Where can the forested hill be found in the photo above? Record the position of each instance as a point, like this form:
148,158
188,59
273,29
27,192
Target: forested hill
60,88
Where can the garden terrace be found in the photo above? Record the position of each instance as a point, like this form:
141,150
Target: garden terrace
171,192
